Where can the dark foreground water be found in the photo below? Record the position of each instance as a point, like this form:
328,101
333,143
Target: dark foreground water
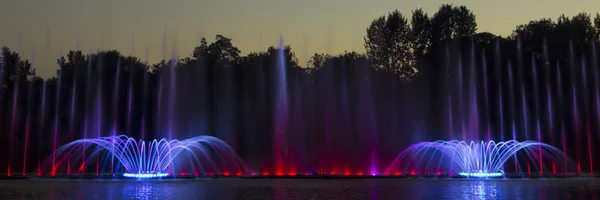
301,189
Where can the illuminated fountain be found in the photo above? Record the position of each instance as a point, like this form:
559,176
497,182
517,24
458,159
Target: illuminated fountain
473,159
141,159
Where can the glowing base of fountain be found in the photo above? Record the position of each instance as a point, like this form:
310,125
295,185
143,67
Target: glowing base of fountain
482,174
145,175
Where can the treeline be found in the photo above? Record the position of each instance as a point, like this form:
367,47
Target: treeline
343,109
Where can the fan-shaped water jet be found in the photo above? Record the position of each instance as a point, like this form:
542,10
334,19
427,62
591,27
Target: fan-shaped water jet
473,159
151,159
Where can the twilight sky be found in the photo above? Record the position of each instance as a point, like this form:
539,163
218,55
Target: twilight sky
309,26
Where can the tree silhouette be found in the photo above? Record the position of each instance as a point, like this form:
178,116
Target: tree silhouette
451,22
200,52
317,62
421,33
556,35
389,45
14,68
222,51
597,25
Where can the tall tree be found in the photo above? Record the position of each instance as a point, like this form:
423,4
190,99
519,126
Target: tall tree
597,24
388,45
201,51
317,62
451,22
223,52
421,33
580,27
14,68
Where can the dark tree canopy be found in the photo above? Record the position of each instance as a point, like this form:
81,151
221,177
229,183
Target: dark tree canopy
389,45
14,68
394,44
222,51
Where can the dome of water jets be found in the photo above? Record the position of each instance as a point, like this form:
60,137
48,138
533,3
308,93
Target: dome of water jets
142,159
477,159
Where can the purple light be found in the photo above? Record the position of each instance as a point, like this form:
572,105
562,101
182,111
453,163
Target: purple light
151,159
473,159
145,175
482,174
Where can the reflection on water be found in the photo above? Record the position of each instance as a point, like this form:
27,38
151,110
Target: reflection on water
301,189
480,189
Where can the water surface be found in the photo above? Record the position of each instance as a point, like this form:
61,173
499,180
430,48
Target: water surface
347,189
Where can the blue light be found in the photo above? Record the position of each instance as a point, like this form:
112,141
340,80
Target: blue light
473,159
145,175
151,159
482,174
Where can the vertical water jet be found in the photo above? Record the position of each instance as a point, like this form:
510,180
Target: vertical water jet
14,107
587,112
99,93
281,110
485,91
87,108
537,110
562,123
461,97
56,112
72,117
42,125
28,117
473,105
512,109
574,106
115,107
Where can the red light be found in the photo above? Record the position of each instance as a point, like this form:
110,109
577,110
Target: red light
360,173
265,173
292,173
196,174
226,173
182,174
346,172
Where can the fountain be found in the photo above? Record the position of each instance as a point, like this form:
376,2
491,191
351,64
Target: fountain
343,117
474,159
141,159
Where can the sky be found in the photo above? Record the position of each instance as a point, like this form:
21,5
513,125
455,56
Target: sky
39,29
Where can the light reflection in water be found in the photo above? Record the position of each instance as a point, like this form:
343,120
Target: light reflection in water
483,189
138,191
302,189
